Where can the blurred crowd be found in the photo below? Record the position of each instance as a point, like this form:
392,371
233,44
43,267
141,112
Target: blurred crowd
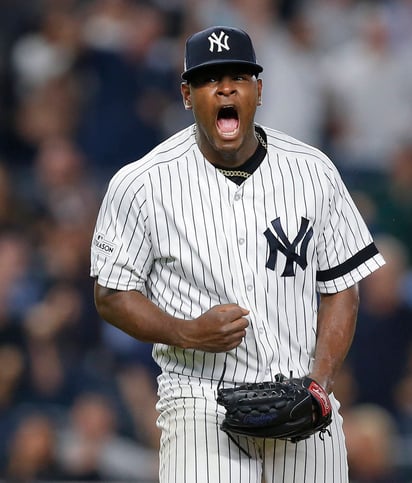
89,85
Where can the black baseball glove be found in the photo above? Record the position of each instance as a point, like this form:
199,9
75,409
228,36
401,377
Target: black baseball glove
292,409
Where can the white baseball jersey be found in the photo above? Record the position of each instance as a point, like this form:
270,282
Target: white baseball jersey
176,229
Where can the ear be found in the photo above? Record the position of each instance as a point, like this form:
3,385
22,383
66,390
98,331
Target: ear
259,92
185,90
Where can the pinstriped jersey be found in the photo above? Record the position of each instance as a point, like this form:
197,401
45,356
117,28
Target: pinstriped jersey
176,229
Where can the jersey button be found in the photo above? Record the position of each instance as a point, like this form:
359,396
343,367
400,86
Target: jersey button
237,197
249,288
241,241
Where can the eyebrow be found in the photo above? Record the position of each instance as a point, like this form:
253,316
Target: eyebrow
219,73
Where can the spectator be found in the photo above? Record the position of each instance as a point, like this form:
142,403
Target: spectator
11,371
122,108
138,392
332,22
293,100
403,397
32,451
14,213
383,336
56,351
62,183
370,87
48,52
372,441
393,196
17,289
399,14
50,110
91,448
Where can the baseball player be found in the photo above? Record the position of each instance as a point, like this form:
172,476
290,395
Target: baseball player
236,250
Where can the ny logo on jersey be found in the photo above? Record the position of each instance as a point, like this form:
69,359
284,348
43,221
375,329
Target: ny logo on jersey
220,42
288,248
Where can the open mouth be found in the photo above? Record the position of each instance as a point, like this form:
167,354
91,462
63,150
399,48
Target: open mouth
227,120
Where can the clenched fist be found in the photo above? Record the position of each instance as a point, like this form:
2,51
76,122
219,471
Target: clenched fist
220,329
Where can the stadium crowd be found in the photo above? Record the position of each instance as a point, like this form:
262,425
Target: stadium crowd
89,85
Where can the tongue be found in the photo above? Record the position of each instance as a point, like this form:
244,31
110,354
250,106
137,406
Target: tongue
227,125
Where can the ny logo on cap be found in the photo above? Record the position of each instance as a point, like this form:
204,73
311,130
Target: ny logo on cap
220,42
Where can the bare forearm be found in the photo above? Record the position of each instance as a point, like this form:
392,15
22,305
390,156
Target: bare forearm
336,328
219,329
136,315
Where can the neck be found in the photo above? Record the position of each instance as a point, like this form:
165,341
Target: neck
227,156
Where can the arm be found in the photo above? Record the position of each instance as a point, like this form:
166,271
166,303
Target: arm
220,329
336,327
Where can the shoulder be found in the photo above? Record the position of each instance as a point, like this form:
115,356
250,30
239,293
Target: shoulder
295,151
169,151
289,145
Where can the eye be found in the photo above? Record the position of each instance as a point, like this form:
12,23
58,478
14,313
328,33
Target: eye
203,80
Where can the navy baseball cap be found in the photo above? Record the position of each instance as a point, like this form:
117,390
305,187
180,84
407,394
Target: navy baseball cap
219,45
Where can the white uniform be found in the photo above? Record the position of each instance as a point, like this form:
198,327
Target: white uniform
175,228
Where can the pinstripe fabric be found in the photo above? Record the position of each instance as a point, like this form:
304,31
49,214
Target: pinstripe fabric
190,425
173,227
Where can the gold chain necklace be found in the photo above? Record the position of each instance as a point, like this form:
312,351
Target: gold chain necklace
261,140
233,174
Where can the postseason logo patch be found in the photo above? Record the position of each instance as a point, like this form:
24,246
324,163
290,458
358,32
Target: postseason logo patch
103,245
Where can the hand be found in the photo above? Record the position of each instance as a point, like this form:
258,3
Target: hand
220,329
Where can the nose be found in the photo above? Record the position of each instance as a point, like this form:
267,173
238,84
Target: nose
226,86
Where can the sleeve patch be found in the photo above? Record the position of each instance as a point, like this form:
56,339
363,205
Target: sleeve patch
104,246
